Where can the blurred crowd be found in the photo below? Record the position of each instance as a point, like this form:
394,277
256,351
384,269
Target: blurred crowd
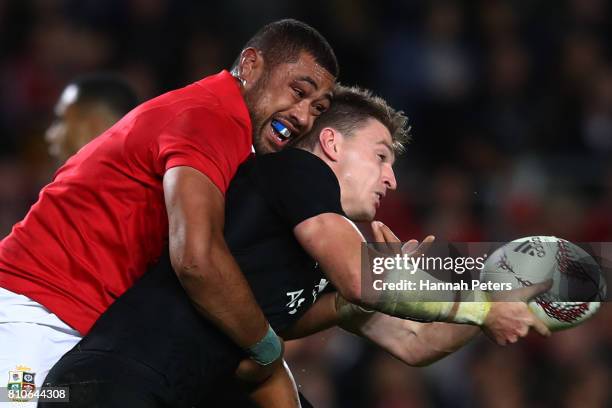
511,110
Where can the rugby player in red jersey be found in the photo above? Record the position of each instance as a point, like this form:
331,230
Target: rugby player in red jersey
158,178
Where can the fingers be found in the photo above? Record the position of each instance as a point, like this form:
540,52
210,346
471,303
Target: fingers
384,238
388,234
377,232
529,292
540,327
424,247
382,233
523,331
429,239
418,250
533,323
410,246
511,321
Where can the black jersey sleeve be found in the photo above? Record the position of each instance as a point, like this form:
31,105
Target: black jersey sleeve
298,185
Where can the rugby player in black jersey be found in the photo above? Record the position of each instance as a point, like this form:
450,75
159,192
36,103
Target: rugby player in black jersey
286,224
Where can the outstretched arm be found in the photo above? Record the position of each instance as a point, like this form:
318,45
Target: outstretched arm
414,343
335,243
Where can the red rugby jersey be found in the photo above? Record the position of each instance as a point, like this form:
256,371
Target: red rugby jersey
102,220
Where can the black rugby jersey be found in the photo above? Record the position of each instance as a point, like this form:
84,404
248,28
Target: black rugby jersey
155,324
269,196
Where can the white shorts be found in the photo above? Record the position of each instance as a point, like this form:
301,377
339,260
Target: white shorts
32,340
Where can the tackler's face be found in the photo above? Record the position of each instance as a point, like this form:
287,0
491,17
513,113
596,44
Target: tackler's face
365,170
285,102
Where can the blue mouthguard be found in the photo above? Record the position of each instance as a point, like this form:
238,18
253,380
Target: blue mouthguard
280,128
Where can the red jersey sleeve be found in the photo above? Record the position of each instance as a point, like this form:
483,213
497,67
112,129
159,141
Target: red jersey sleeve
208,141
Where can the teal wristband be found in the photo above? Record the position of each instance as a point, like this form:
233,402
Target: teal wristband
267,350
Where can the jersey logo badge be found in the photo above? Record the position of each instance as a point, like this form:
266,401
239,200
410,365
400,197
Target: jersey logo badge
20,384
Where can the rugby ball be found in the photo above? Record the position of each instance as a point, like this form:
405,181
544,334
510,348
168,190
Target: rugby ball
578,284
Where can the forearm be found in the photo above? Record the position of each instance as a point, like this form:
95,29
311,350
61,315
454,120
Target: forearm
220,292
437,340
427,343
414,343
202,260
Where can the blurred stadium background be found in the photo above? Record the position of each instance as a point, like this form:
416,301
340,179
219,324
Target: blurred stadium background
511,108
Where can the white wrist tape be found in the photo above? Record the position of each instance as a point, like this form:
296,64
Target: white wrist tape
469,307
350,315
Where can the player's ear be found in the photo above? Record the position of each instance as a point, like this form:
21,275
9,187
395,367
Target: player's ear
251,66
329,141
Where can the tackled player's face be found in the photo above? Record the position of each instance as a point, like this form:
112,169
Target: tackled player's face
292,94
365,170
